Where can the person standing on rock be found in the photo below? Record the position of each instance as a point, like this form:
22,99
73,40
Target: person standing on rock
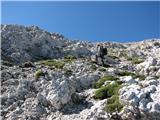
101,52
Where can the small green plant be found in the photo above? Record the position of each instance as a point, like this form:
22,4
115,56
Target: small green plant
136,60
55,63
68,60
100,82
123,54
39,73
111,92
101,93
113,88
69,57
113,56
107,91
141,77
113,104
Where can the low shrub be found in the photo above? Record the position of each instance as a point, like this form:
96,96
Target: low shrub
134,60
55,63
107,91
141,77
113,104
113,56
101,93
100,82
69,57
39,73
68,60
123,54
111,92
137,61
113,88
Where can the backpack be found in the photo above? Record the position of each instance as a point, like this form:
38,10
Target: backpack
105,51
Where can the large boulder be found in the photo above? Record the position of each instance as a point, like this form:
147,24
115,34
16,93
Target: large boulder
60,94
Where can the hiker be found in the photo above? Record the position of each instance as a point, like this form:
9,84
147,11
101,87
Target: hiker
101,52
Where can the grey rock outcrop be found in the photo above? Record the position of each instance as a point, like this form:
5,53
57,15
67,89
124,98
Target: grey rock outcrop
141,102
21,44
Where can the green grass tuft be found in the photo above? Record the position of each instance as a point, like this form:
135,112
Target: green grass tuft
55,63
136,61
111,92
39,73
113,56
107,91
71,57
101,93
113,104
100,82
141,77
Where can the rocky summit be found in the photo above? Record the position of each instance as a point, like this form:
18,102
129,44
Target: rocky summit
45,76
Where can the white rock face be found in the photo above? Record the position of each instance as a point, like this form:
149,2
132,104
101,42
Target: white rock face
92,112
128,80
142,99
149,67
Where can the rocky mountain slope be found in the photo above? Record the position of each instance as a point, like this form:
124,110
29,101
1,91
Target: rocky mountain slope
21,44
45,76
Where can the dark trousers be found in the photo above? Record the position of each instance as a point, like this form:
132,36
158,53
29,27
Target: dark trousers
101,59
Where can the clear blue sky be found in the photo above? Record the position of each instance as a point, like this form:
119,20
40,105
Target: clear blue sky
91,21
